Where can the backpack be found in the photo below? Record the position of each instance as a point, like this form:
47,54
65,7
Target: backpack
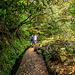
32,38
35,37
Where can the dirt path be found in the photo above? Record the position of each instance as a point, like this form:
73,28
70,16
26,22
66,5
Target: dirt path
32,64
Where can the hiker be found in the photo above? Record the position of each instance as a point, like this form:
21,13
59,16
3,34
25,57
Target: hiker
35,38
32,39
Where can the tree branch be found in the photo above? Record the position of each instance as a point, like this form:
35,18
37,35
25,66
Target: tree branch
11,3
28,22
36,22
33,18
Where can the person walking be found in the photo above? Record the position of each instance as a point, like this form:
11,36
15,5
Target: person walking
32,39
35,38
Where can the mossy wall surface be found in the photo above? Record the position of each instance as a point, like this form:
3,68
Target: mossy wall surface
10,52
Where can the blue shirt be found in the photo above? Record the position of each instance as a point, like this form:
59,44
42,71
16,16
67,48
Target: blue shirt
32,38
37,37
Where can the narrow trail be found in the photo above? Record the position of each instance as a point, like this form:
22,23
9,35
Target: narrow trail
32,64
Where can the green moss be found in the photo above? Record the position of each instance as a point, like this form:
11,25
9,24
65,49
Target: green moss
36,46
11,53
63,58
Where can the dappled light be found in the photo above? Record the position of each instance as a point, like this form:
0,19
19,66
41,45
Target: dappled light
39,35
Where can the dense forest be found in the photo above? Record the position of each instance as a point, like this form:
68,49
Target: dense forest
19,19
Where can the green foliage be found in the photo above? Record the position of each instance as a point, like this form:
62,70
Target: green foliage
21,18
63,58
72,10
27,34
57,48
10,54
43,38
1,46
70,50
74,51
55,54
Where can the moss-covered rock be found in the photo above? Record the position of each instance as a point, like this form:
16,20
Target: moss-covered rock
39,51
63,51
52,70
63,58
45,44
36,46
56,53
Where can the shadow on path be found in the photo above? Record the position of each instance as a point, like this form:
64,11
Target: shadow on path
32,64
17,63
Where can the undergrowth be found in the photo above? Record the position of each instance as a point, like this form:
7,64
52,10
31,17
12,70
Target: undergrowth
56,53
9,54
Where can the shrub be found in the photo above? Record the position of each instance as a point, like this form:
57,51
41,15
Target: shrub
55,54
10,54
